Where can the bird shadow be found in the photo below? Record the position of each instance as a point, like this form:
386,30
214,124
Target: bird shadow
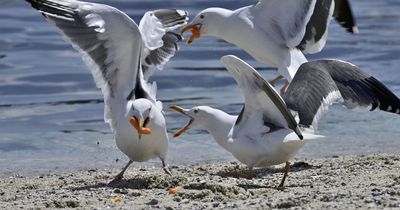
136,183
243,172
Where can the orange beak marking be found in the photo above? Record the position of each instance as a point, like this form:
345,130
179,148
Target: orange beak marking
187,126
195,32
180,132
139,128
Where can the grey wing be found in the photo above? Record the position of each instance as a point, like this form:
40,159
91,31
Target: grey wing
310,93
109,41
159,57
319,84
159,40
260,97
359,89
171,18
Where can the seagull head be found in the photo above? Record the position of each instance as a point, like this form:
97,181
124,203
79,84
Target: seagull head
197,116
140,115
207,22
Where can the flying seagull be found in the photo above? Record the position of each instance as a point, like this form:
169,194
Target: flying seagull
270,129
275,32
121,55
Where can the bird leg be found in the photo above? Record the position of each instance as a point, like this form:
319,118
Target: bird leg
250,174
165,167
283,89
118,177
287,167
274,81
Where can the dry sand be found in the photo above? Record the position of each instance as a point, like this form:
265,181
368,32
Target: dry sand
335,183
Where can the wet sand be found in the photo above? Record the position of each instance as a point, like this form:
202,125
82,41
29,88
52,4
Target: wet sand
335,183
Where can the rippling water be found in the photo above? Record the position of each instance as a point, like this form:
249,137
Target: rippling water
51,114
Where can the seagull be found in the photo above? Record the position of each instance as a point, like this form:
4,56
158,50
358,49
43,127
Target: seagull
121,55
270,129
275,32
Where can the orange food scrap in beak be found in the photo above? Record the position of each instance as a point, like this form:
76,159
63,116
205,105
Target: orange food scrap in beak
139,127
195,32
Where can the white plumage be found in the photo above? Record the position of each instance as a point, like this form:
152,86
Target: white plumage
275,32
119,54
265,132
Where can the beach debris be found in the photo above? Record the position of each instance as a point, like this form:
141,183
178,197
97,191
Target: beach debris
153,202
173,191
116,199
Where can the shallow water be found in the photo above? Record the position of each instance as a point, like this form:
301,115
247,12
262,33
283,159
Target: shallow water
51,114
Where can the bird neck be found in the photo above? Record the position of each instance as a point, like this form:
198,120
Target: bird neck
229,23
219,125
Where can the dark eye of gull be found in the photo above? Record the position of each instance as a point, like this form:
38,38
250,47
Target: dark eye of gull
201,16
195,111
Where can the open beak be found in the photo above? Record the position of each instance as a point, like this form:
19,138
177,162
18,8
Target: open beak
195,28
184,112
140,126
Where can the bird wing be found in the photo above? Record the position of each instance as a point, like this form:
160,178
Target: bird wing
317,28
302,24
109,41
284,21
158,38
344,16
321,83
261,99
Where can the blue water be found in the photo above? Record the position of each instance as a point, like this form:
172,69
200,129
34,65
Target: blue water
51,114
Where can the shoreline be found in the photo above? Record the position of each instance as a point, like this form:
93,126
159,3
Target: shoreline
366,181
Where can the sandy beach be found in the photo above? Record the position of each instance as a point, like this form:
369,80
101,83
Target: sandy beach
335,183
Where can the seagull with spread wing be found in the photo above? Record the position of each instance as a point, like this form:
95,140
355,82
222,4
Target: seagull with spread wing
275,32
121,55
270,129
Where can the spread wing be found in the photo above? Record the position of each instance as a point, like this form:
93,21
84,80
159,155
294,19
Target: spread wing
321,83
160,43
109,41
261,100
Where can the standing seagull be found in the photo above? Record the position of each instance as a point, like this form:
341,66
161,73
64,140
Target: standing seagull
270,130
120,56
275,32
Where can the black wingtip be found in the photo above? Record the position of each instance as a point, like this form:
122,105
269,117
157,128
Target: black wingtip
33,3
298,132
344,15
385,100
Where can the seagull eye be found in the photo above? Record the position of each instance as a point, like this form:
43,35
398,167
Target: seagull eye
195,111
201,17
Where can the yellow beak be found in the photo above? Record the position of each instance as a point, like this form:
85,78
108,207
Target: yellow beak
187,126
